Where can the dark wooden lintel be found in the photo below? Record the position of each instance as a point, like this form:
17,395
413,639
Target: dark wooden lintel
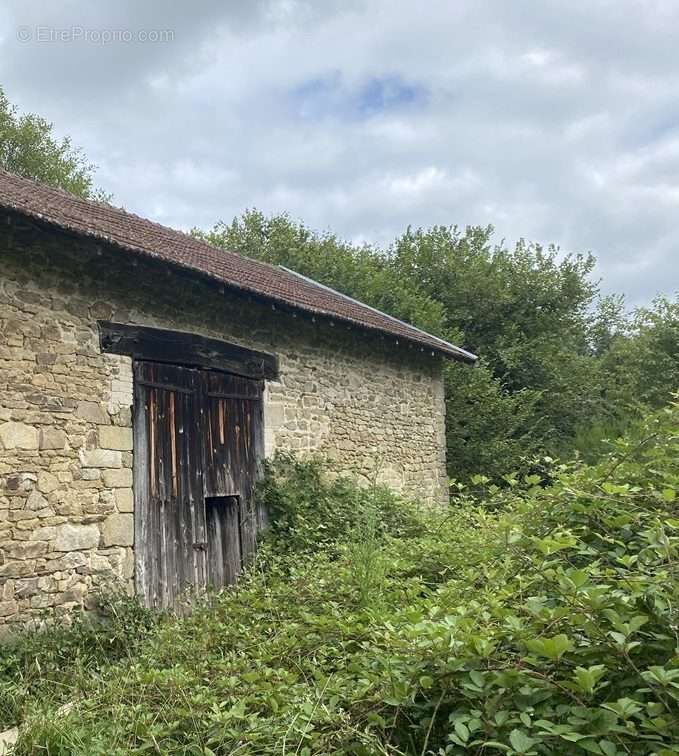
180,348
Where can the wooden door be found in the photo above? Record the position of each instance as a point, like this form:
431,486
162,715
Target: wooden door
233,447
198,447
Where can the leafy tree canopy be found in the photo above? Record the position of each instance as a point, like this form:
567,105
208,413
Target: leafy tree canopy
562,368
29,147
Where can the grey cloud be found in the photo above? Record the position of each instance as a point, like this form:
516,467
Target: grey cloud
555,123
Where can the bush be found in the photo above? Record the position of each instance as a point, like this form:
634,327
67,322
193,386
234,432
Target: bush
309,510
543,623
570,645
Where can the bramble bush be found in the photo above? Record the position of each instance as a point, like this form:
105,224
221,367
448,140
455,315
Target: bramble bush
309,511
542,620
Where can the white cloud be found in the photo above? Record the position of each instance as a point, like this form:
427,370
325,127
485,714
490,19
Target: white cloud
555,123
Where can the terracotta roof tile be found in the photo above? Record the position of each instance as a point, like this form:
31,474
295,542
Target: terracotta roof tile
138,235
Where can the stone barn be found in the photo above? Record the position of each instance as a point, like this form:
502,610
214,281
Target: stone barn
144,375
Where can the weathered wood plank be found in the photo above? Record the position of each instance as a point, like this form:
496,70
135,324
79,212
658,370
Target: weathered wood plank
234,446
169,508
141,482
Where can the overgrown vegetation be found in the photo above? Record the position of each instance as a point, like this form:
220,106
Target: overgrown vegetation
541,620
51,665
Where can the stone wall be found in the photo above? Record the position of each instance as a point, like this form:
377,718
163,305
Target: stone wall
373,407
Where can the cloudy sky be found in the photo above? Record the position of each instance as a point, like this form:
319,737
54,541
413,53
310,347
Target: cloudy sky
557,122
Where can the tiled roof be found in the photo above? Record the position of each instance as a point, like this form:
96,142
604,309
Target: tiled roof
144,237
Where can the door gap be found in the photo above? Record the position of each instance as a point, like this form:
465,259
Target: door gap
224,541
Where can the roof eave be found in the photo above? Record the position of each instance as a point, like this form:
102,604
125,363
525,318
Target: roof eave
442,348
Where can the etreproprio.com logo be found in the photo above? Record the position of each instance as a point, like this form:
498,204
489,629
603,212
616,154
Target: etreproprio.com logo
80,34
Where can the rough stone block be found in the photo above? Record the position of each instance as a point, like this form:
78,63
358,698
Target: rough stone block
42,601
17,569
128,564
36,501
100,565
52,438
73,597
125,500
101,458
118,530
74,559
47,482
274,415
45,358
47,533
8,608
18,436
76,537
25,549
21,514
25,588
118,478
92,412
115,437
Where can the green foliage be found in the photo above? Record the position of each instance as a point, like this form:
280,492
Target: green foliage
487,427
514,306
594,439
544,622
308,510
28,147
643,359
561,369
526,311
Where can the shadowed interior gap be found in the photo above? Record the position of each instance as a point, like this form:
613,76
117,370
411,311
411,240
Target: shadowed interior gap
224,547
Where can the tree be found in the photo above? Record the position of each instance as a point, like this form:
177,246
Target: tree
28,147
523,311
643,362
488,429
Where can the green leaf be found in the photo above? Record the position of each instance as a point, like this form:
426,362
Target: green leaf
586,679
520,741
608,748
590,745
624,707
462,731
552,648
